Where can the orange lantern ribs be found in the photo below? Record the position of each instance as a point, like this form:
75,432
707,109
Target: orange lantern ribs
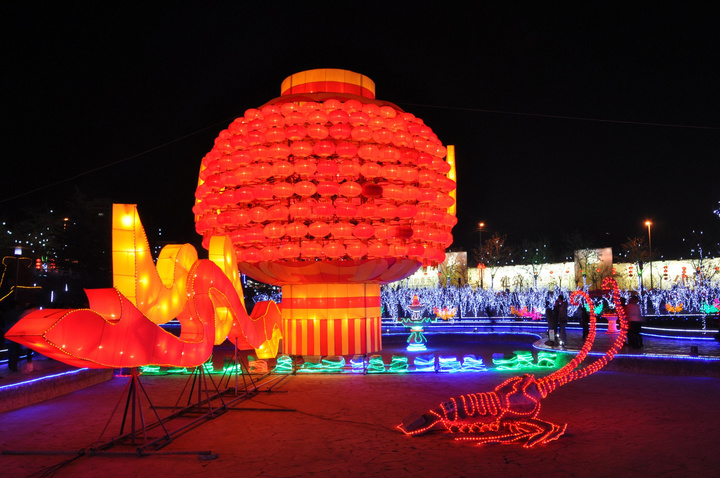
329,193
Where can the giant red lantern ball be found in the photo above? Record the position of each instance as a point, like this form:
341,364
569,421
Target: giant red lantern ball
329,193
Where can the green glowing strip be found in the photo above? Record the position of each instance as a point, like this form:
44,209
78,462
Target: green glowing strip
376,364
150,370
547,359
284,364
450,364
399,364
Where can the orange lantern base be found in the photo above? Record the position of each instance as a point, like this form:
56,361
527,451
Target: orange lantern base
331,307
331,319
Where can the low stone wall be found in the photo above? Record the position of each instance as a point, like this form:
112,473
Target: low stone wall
27,393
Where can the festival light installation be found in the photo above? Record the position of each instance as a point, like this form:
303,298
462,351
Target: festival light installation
425,363
509,413
375,364
329,193
674,308
357,364
472,363
416,341
120,328
524,312
398,364
445,313
449,363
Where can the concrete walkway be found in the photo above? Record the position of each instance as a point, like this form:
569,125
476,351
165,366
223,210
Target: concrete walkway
619,424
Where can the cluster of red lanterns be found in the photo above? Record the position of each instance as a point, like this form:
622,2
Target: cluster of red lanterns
327,180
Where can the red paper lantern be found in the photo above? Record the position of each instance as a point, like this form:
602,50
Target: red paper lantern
328,188
346,150
340,131
349,189
301,210
319,229
310,249
296,230
304,188
274,231
282,190
363,231
323,209
333,250
342,230
328,161
295,132
346,210
356,250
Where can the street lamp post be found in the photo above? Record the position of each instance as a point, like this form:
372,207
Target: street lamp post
481,270
648,224
18,255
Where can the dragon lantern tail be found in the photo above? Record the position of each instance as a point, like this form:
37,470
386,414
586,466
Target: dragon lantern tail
569,372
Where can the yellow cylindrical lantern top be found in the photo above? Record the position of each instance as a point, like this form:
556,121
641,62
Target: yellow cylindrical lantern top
328,80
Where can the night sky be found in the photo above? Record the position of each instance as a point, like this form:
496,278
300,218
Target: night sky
576,119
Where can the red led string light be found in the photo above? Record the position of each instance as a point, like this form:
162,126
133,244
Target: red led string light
509,413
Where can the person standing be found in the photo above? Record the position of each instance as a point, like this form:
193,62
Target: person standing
635,320
11,317
562,318
584,319
552,321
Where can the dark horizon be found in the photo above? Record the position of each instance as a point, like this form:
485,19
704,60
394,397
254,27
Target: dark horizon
590,119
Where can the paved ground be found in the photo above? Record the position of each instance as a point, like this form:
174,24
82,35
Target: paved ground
619,424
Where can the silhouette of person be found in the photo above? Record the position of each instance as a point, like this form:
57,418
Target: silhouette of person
562,318
552,321
584,319
635,320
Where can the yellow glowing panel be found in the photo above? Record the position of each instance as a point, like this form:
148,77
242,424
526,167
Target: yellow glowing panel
452,175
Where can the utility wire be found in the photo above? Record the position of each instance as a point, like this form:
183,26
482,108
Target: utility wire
114,163
479,110
576,118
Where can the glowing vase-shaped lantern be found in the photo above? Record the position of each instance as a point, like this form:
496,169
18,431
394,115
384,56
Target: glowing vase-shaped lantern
329,193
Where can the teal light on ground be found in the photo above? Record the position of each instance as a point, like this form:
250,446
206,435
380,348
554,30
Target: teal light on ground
546,359
284,364
333,363
523,360
376,364
358,364
471,363
399,364
425,363
150,370
232,369
311,366
449,364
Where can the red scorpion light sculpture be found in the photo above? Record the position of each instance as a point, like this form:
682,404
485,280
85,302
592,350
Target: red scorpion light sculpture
509,414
